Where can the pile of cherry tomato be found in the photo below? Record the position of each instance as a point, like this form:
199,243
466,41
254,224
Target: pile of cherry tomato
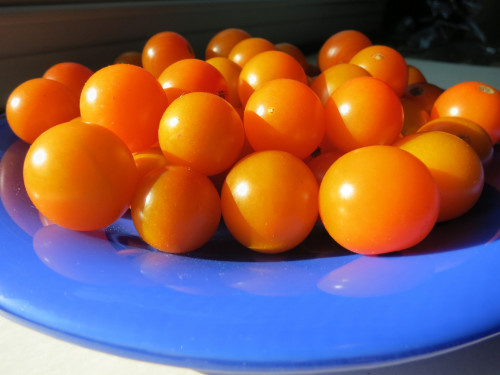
257,136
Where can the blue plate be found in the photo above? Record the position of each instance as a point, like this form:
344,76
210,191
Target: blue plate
223,308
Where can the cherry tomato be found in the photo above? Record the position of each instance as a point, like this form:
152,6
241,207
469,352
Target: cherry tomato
384,63
341,47
39,104
295,52
129,57
231,73
149,160
320,164
248,48
80,176
363,111
71,74
414,116
202,131
176,209
265,67
221,44
270,201
192,75
127,100
455,166
415,75
286,115
423,93
378,199
475,101
163,49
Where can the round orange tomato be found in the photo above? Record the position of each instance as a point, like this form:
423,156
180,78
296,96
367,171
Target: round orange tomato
149,160
414,116
129,57
320,164
455,166
378,199
423,93
270,201
363,111
295,52
475,101
127,100
223,42
80,176
248,48
71,74
415,75
176,209
231,73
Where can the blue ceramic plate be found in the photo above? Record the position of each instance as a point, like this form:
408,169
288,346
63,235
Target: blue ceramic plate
223,308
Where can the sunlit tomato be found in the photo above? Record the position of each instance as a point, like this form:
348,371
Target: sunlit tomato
295,52
80,176
270,201
38,104
71,74
192,75
475,101
265,67
423,93
202,131
223,42
129,57
127,100
384,63
163,49
320,164
378,199
231,73
248,48
286,115
468,130
148,160
176,209
455,166
330,79
414,116
415,75
361,112
341,47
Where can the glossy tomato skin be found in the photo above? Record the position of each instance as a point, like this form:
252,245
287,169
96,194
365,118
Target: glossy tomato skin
176,209
231,73
341,47
378,199
221,44
270,201
80,176
243,51
73,75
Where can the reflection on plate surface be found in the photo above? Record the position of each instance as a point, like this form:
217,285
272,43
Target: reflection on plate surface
222,308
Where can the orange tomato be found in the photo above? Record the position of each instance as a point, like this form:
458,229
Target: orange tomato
223,42
248,48
295,52
320,164
330,79
265,67
361,112
378,199
231,73
129,57
202,131
455,166
414,116
163,49
39,104
415,75
176,209
80,176
423,93
149,160
127,100
71,74
341,47
384,63
270,201
192,75
286,115
475,101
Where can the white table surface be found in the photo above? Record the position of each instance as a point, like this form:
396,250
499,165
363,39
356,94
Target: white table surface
29,352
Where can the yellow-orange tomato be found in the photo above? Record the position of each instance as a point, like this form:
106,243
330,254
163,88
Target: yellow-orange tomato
163,49
341,47
475,101
39,104
378,199
414,116
265,67
73,75
330,79
231,73
384,63
423,93
363,111
415,75
127,100
286,115
80,176
320,164
192,75
223,42
202,131
176,209
149,160
295,52
468,130
270,201
455,166
248,48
